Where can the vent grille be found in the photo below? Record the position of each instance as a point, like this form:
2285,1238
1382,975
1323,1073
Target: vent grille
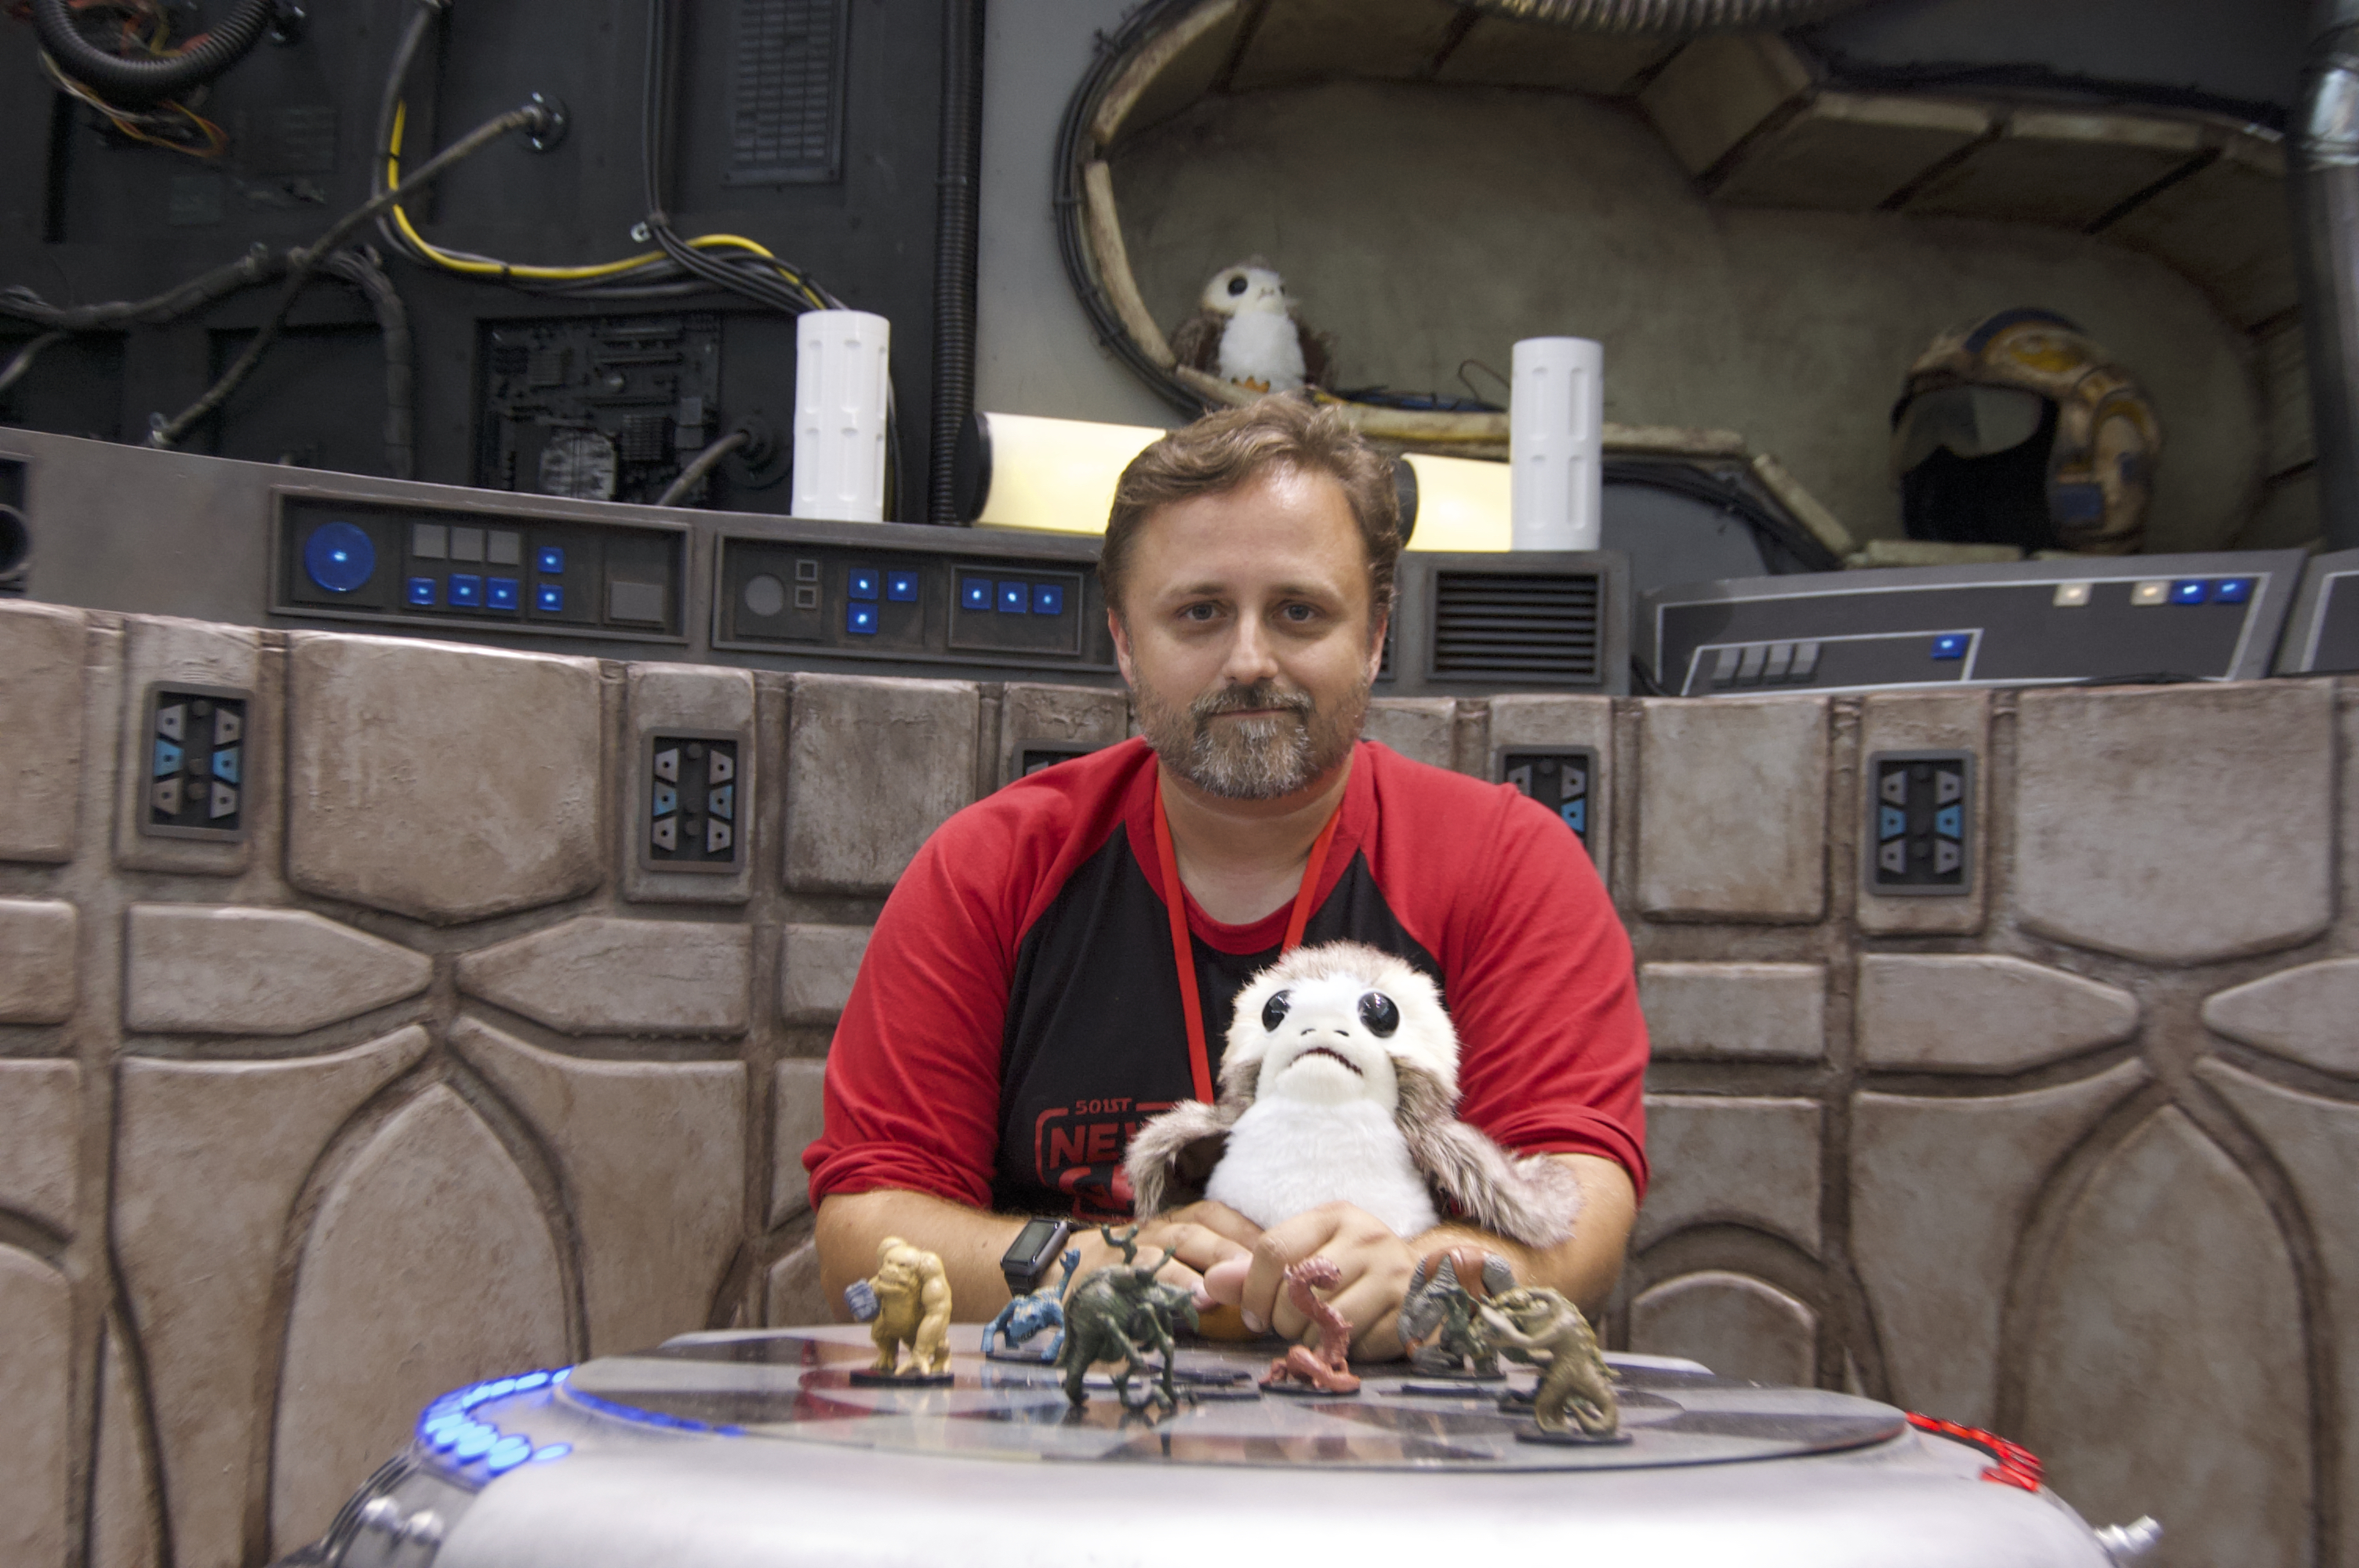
785,109
1502,626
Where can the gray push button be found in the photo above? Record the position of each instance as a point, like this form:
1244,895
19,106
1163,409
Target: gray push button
1749,672
1806,662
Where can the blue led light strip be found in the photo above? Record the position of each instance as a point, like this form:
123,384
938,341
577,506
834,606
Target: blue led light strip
449,1427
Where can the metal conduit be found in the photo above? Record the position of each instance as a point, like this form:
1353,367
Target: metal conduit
1668,15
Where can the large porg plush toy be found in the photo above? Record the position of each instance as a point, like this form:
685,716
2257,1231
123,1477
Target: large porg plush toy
1341,1084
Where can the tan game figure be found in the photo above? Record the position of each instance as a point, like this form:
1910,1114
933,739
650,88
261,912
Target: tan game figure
913,1308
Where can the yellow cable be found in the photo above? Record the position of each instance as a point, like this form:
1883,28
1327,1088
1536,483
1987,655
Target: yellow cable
552,273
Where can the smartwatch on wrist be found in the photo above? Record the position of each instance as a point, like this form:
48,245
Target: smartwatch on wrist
1027,1258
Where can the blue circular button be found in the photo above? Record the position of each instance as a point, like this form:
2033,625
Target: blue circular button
339,557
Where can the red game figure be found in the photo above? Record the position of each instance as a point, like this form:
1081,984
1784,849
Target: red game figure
1327,1369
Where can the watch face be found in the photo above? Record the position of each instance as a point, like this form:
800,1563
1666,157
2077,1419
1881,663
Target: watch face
1029,1250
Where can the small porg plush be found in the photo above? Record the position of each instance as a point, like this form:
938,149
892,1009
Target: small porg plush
1245,331
1339,1083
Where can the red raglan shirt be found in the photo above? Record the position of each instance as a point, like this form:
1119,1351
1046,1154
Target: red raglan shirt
1017,1013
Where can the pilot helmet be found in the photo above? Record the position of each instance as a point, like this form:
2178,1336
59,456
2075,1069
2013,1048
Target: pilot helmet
2021,430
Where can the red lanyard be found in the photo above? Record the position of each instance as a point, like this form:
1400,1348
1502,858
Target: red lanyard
1184,953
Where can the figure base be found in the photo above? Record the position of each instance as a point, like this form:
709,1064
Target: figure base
1572,1439
869,1378
1449,1377
1020,1358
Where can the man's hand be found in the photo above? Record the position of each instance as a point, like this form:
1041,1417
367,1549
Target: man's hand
1375,1265
1204,1233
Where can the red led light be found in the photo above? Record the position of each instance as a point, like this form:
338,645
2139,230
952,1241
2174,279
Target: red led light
2015,1465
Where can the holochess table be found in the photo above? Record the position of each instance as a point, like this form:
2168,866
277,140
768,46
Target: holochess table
732,1449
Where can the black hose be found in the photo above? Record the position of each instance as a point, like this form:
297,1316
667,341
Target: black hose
303,263
704,463
121,81
258,266
15,370
954,252
360,269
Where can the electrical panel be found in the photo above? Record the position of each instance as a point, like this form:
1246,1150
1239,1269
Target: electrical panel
1558,778
1920,813
811,127
2208,617
890,600
194,753
456,568
696,804
785,93
600,408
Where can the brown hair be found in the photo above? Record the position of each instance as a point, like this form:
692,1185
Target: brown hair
1231,446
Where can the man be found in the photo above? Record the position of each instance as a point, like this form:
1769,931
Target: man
1020,1008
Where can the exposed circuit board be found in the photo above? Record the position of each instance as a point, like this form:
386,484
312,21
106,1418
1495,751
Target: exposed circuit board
602,408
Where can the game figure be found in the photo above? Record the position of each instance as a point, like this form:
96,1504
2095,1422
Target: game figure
1438,1325
1540,1328
1112,1311
1026,1317
905,1303
1327,1369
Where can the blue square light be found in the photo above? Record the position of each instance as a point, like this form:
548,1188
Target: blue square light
901,587
975,592
2233,590
2189,591
1015,597
549,558
1048,599
1951,645
863,583
421,591
466,591
503,592
860,618
550,599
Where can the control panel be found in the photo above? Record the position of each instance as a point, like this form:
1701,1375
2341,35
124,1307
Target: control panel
694,807
137,531
379,561
1920,813
195,754
1559,779
889,599
2149,617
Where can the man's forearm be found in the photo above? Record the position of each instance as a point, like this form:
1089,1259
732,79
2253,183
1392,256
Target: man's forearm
970,1242
1585,1265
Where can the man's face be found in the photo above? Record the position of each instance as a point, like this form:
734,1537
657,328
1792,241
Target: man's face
1246,635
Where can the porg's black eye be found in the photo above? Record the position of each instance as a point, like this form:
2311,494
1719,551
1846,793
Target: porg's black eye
1236,286
1377,1011
1273,1011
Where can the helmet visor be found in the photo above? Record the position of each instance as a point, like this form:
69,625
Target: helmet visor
1970,421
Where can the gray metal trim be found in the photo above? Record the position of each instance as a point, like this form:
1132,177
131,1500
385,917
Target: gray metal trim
2271,570
2297,648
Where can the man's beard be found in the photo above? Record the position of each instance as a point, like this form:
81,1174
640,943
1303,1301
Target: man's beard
1261,758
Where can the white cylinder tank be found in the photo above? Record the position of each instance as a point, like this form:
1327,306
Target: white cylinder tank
842,389
1556,423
